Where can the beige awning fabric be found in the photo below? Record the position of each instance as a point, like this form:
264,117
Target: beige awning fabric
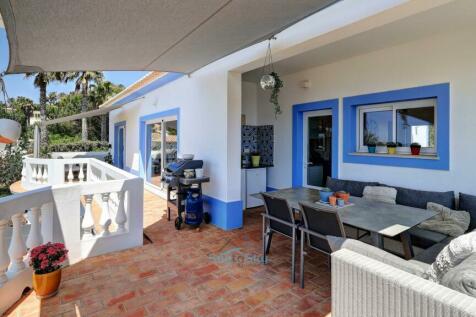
164,35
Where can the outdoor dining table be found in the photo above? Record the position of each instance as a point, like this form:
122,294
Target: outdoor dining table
378,218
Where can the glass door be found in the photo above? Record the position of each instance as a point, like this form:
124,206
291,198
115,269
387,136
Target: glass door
161,143
317,149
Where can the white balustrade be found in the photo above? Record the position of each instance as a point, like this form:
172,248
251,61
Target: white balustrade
45,174
17,248
33,173
4,258
87,224
34,237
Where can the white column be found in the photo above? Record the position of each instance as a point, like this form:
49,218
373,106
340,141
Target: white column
4,258
17,248
105,211
121,217
88,222
70,173
34,237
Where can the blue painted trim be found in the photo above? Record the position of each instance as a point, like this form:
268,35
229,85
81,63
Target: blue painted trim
130,170
115,159
144,137
439,91
271,189
225,215
298,125
157,83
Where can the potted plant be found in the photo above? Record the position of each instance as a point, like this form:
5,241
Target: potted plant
255,159
415,148
371,146
46,260
391,147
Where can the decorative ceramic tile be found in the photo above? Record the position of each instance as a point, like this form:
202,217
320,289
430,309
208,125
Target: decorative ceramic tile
259,139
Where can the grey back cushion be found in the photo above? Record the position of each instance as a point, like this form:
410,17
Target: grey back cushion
462,278
468,203
355,188
420,198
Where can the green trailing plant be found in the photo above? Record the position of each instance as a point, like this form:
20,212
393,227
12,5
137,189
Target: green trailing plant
11,164
275,94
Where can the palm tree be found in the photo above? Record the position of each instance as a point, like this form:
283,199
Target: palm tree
99,93
83,81
41,81
25,105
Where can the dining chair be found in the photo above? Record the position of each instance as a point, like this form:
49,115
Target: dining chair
318,222
279,218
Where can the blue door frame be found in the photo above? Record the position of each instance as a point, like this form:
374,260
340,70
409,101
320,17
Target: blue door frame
119,142
298,125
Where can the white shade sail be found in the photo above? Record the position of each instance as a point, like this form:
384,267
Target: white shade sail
168,35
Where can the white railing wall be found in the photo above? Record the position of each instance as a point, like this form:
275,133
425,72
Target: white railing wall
63,198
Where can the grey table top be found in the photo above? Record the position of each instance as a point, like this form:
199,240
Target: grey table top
386,219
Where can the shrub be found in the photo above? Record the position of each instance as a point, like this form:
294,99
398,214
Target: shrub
87,146
11,164
47,258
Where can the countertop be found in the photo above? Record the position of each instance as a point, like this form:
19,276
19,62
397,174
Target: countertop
255,167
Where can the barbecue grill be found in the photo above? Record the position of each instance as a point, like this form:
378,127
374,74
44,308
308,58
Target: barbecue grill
180,187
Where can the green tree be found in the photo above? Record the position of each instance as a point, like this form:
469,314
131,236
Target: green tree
83,80
41,81
25,106
99,93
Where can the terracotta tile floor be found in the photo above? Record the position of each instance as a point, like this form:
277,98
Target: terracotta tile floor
189,273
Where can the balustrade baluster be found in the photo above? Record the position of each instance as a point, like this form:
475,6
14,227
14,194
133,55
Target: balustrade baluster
70,174
81,173
105,217
40,174
121,217
33,173
88,222
34,237
4,258
23,172
17,248
45,174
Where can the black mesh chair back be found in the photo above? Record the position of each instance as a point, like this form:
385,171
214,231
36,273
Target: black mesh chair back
324,222
279,208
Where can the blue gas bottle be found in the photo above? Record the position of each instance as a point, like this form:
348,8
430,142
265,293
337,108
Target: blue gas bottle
194,207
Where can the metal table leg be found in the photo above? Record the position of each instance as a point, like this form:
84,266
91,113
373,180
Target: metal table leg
407,245
377,239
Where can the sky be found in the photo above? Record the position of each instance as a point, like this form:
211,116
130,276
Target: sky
17,85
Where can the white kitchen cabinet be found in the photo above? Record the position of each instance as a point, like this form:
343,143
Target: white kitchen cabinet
253,181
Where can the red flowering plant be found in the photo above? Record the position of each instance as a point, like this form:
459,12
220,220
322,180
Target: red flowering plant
47,258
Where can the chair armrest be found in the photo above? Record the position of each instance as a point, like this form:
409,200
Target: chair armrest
362,286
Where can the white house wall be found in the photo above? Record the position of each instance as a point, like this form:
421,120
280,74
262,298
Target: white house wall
438,59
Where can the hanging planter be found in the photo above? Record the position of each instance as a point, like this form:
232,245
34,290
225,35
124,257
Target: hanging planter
270,80
10,130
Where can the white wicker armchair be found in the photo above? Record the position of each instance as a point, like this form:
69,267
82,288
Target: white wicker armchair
364,287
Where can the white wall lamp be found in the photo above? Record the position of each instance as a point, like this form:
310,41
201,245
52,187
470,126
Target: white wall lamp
306,84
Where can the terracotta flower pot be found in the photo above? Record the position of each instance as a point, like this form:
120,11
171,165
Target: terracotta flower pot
343,195
333,200
46,285
415,150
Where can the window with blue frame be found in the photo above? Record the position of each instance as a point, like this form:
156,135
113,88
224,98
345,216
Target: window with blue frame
401,119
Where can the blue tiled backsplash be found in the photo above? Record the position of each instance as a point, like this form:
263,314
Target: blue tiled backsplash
259,139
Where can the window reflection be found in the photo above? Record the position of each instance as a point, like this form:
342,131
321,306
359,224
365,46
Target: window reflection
416,125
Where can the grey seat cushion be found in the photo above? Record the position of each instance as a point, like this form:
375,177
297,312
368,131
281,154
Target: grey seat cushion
420,198
355,188
423,238
468,203
462,278
429,255
337,243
